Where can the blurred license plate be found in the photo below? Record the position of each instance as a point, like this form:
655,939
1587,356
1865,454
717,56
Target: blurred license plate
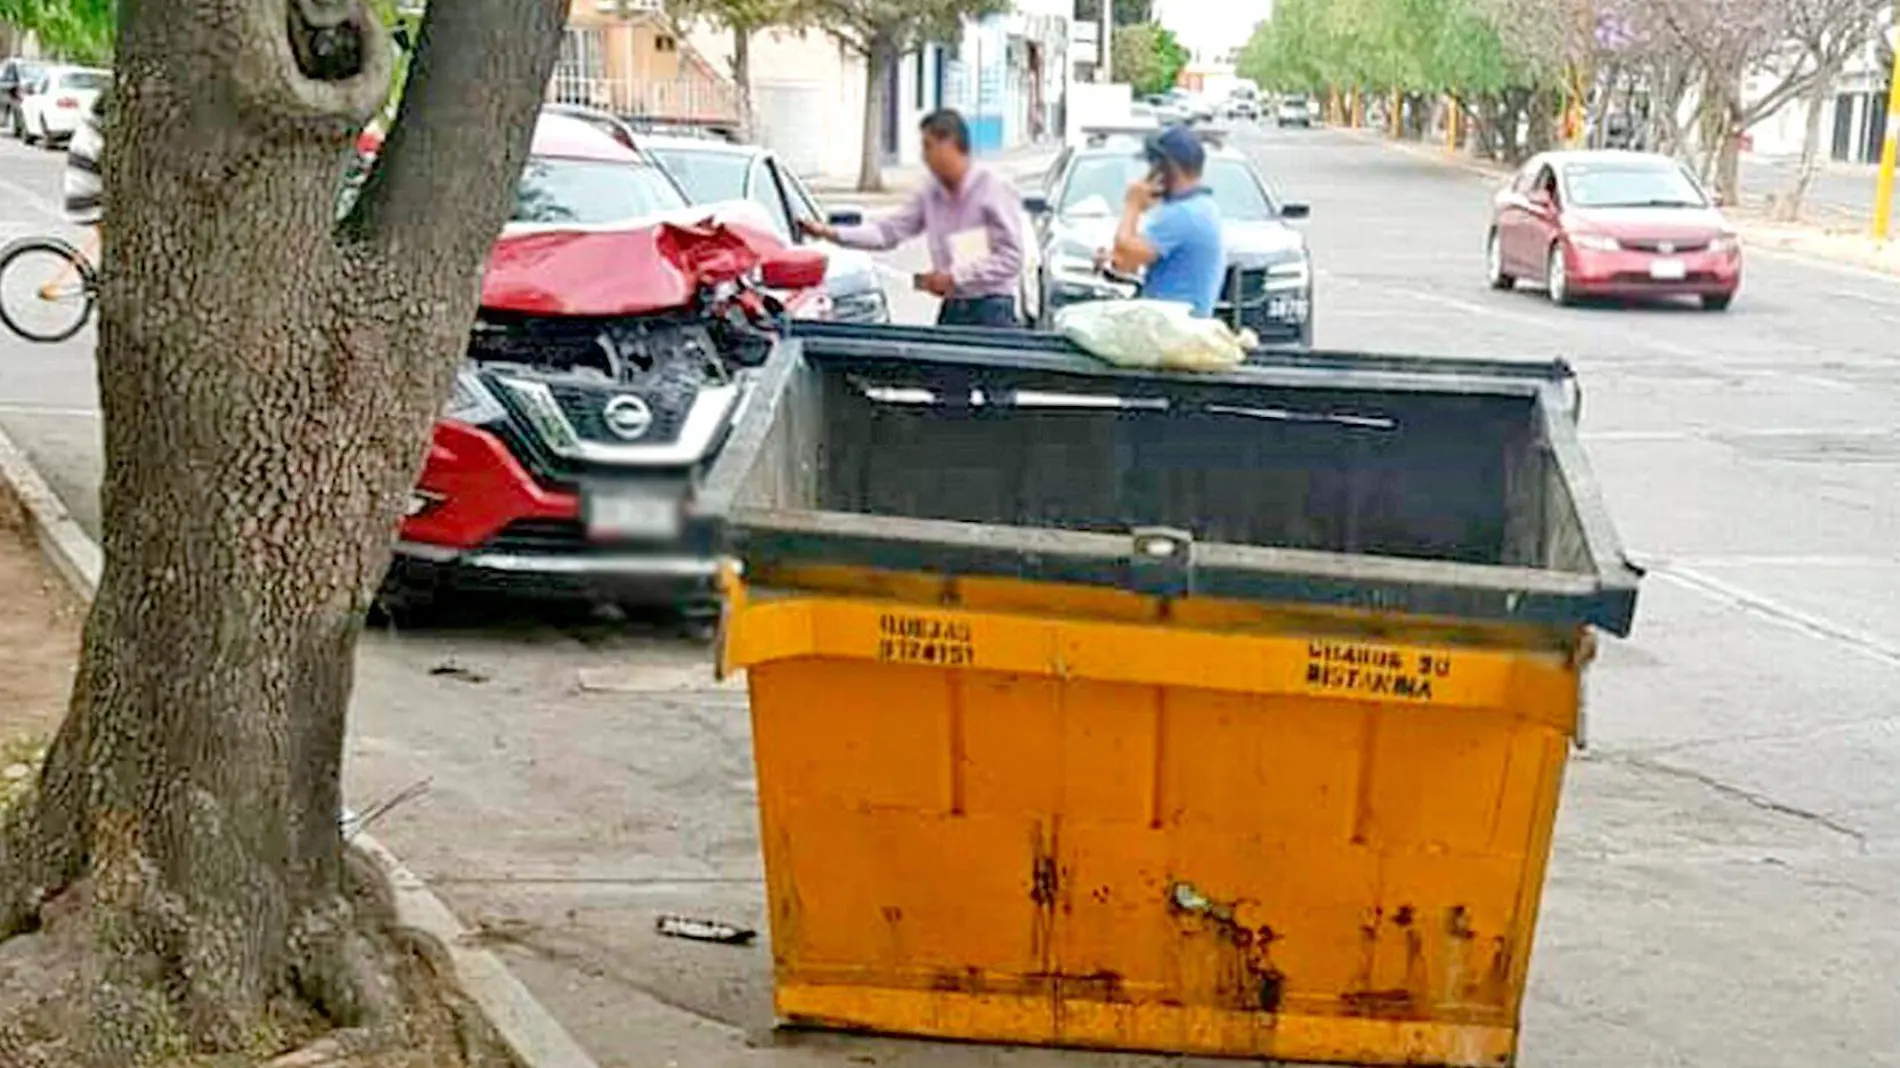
621,514
1292,309
1668,270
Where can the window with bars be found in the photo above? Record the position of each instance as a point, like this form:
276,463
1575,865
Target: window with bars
581,68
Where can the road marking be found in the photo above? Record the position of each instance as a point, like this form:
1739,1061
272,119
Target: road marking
1660,436
48,410
1543,322
1796,619
1769,560
1631,336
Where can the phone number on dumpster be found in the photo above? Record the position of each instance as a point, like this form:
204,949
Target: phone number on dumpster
904,639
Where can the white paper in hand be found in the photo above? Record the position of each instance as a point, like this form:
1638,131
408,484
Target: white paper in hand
969,246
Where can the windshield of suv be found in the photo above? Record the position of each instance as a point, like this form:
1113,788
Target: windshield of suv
590,192
707,177
1632,184
1097,183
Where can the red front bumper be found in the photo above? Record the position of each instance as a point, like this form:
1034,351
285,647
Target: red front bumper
475,488
1633,273
485,523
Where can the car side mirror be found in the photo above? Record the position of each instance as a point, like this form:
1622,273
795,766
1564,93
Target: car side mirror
1036,205
846,217
1296,211
793,268
1718,199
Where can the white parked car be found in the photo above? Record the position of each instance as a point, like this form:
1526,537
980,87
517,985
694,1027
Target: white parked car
51,110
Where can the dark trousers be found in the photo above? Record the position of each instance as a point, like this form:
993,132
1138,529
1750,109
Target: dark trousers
995,312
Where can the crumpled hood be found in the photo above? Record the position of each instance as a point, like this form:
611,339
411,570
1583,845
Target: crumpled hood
625,269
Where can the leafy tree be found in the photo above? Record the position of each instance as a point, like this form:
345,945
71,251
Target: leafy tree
80,30
268,375
1148,58
1471,50
741,18
882,32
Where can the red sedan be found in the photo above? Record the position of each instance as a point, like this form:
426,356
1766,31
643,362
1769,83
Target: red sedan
1612,224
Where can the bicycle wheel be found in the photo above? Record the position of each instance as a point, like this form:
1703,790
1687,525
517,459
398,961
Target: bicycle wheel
47,289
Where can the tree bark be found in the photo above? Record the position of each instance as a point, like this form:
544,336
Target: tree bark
742,79
879,59
267,381
1788,207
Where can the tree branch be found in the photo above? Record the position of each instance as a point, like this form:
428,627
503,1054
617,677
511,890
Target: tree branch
479,66
841,21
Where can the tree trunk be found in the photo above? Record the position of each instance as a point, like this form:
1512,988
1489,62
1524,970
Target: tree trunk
1725,164
267,381
1542,127
742,79
1788,207
879,60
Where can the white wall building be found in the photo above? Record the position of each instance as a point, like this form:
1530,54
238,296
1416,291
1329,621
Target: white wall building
1008,74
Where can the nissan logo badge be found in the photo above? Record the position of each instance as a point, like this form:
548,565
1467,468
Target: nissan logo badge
628,417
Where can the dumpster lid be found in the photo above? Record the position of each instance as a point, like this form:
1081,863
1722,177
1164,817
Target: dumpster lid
1598,589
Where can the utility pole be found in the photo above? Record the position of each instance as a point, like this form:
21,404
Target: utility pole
1105,69
1883,189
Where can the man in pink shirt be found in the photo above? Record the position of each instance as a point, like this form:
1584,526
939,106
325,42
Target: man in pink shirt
971,219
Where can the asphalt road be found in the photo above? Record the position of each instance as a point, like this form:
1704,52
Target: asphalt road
1726,870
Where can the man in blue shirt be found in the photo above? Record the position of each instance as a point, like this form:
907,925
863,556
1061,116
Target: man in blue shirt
1171,226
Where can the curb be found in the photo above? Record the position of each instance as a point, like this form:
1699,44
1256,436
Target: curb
531,1033
1790,242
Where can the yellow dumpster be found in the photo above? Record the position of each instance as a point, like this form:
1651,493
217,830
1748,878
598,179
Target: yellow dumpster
1212,714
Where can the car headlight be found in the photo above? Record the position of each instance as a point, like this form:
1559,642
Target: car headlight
1072,272
1293,274
470,402
1725,243
1072,264
1595,242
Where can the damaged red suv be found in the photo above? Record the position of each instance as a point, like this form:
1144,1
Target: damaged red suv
619,332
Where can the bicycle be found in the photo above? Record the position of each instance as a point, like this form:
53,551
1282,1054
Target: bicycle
48,289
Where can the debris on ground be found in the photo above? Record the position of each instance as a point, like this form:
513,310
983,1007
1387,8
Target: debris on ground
704,931
449,669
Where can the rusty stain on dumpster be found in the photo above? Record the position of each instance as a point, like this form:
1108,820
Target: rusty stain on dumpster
1253,983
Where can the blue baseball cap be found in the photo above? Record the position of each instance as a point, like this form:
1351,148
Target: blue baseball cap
1177,145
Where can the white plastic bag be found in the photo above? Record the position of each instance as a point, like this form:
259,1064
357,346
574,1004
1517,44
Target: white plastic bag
1152,335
